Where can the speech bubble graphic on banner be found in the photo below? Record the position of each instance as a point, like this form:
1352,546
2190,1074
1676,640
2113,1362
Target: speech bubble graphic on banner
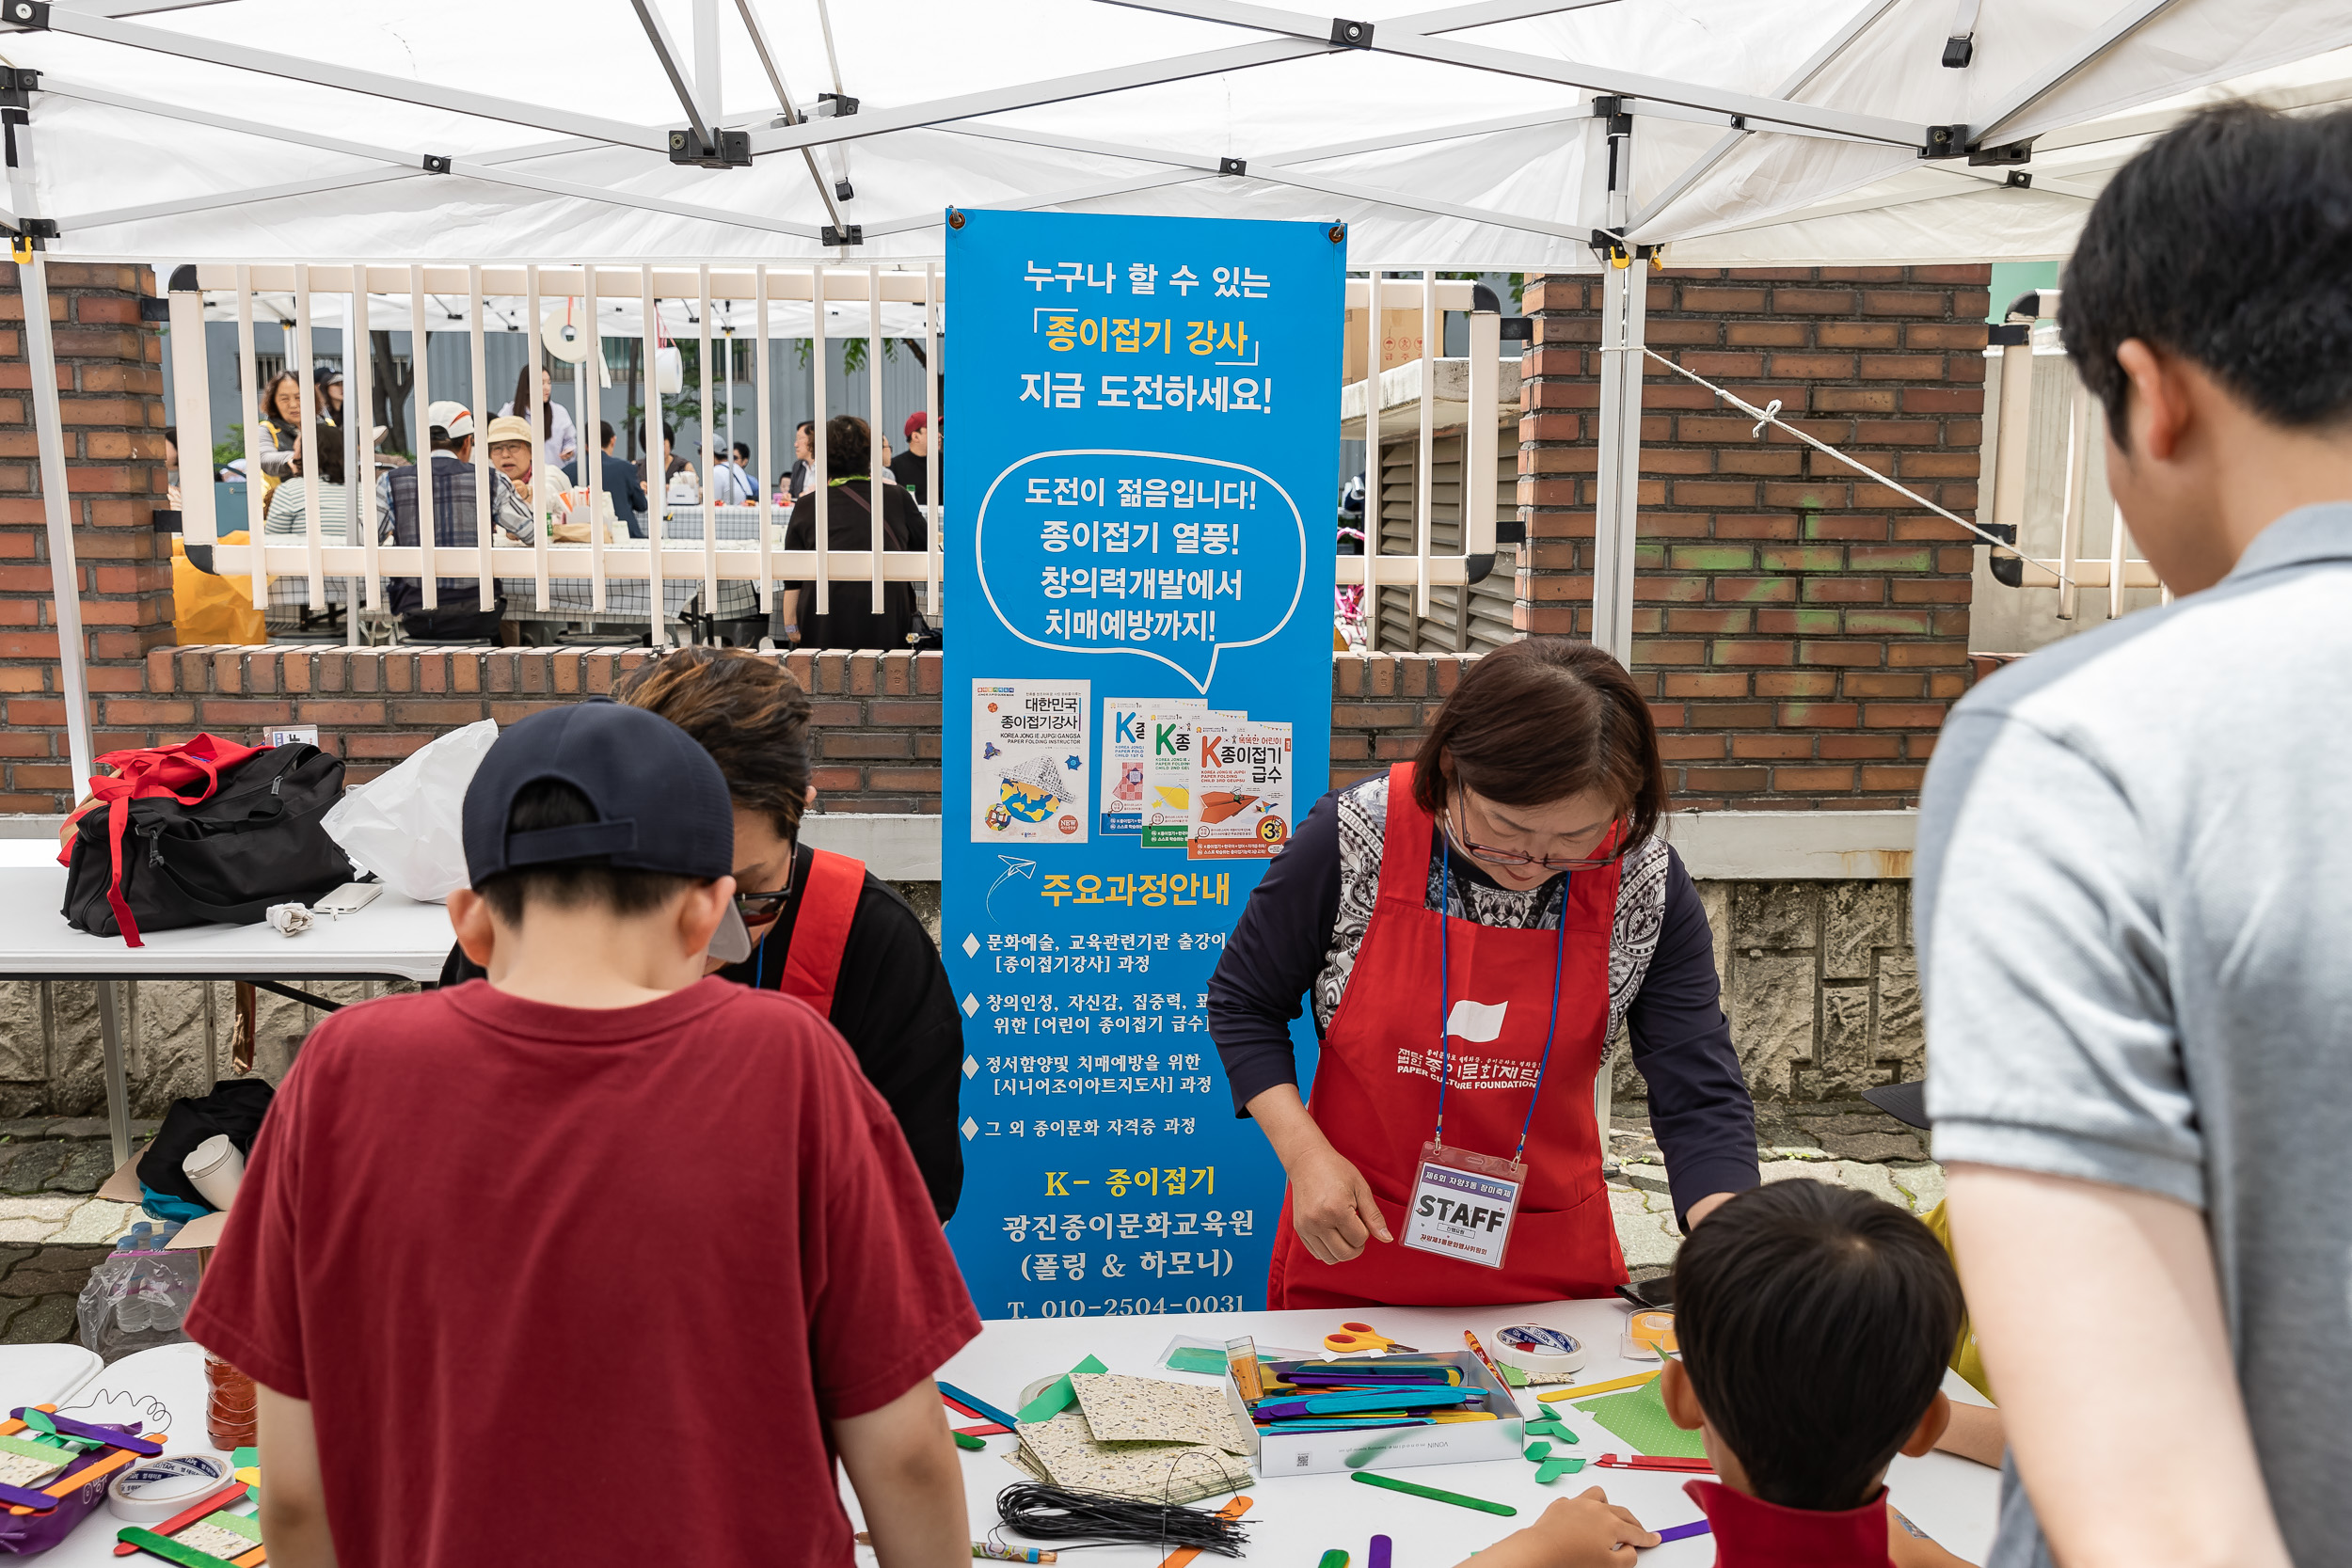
1152,555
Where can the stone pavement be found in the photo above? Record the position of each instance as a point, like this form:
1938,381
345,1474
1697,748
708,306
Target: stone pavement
53,1231
1850,1143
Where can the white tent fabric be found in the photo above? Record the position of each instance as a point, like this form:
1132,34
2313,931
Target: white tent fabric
1463,137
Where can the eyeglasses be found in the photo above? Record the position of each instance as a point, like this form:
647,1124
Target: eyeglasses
1493,856
760,907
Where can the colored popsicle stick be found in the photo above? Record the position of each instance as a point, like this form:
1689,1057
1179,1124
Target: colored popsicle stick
1057,1395
168,1549
27,1500
253,1558
144,1446
1378,1557
1332,1558
1682,1532
986,1429
1182,1555
65,1486
233,1492
1591,1388
1653,1461
964,1440
970,1404
1435,1494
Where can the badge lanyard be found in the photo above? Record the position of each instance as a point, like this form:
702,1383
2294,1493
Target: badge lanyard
1463,1203
1445,1003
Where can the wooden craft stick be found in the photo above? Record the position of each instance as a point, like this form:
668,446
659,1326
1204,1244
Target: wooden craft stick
233,1492
65,1486
1182,1555
1591,1388
169,1550
1435,1494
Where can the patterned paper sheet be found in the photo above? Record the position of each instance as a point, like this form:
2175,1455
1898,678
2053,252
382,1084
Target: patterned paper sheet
23,1469
1144,1409
1066,1449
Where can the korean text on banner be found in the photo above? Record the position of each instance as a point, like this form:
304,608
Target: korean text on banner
1145,493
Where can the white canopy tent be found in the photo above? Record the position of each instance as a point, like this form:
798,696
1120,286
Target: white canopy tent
1477,135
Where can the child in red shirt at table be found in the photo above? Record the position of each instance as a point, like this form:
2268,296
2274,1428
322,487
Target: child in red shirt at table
595,1260
1814,1323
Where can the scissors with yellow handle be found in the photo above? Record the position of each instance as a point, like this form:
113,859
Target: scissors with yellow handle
1360,1339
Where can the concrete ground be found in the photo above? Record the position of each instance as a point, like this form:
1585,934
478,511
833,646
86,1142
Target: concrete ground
1850,1143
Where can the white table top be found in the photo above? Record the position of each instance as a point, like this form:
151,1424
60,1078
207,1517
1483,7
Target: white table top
392,937
1293,1520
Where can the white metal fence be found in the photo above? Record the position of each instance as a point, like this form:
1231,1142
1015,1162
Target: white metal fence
361,295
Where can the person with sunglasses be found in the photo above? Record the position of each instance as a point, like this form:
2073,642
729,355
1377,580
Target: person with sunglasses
823,928
1471,930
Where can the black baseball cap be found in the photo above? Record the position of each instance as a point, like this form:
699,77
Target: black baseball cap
1906,1103
662,803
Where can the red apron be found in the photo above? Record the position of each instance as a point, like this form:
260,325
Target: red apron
820,932
1375,1090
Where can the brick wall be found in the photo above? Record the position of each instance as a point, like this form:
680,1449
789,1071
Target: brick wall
877,714
110,388
1801,629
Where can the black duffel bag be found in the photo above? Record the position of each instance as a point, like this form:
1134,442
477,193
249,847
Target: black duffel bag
253,841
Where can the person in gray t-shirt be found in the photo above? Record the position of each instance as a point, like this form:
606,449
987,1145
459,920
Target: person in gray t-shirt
2135,903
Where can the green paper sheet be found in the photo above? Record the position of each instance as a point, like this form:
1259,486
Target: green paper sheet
1639,1416
1552,1469
1056,1398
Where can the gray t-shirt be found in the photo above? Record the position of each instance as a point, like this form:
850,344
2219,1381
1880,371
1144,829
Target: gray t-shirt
2134,927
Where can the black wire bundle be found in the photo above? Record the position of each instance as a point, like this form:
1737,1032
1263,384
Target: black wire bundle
1096,1519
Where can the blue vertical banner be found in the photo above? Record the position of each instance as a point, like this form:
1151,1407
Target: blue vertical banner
1137,710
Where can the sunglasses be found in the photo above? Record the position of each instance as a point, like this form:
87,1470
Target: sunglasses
1494,856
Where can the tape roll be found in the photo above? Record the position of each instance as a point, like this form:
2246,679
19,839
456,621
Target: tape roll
156,1489
1538,1351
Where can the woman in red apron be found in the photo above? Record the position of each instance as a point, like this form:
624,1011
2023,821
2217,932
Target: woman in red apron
1470,928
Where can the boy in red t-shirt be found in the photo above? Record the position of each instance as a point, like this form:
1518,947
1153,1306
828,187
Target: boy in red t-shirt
1814,1322
595,1260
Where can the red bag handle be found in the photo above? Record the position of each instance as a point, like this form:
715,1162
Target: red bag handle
150,772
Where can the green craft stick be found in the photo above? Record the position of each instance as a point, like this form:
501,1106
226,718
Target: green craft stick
1538,1450
1333,1558
1414,1489
169,1550
965,1440
1056,1398
1552,1469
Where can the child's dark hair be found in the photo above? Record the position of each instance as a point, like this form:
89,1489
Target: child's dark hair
1814,1323
571,884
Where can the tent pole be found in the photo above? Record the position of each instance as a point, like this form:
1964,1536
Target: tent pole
65,577
1624,299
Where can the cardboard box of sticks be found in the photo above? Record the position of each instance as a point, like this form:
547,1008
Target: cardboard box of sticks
1313,1453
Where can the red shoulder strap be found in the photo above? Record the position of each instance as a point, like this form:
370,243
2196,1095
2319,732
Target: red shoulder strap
1404,842
191,763
820,932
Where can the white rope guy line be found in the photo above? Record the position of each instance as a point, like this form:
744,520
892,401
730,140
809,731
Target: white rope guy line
1770,415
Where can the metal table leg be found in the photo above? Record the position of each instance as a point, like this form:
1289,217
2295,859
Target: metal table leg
118,1091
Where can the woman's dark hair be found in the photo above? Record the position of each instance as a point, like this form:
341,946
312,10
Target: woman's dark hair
522,402
330,455
2228,241
571,884
1814,1323
746,711
848,447
269,399
1540,719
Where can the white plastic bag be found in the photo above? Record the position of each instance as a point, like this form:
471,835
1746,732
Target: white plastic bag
408,826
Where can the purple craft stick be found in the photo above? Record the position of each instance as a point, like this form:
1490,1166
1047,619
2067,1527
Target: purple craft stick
1682,1532
1379,1555
18,1496
121,1437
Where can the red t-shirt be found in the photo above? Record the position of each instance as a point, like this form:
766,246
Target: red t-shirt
569,1286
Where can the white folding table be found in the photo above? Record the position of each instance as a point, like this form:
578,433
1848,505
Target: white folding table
392,939
1296,1519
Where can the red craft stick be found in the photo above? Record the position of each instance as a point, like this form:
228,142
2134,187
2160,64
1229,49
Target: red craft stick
1647,1462
178,1522
986,1429
961,1408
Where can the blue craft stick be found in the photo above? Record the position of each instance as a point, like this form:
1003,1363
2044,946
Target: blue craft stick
975,1402
1682,1532
1359,1423
1348,1404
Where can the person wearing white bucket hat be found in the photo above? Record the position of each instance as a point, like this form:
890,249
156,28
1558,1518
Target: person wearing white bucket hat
450,431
